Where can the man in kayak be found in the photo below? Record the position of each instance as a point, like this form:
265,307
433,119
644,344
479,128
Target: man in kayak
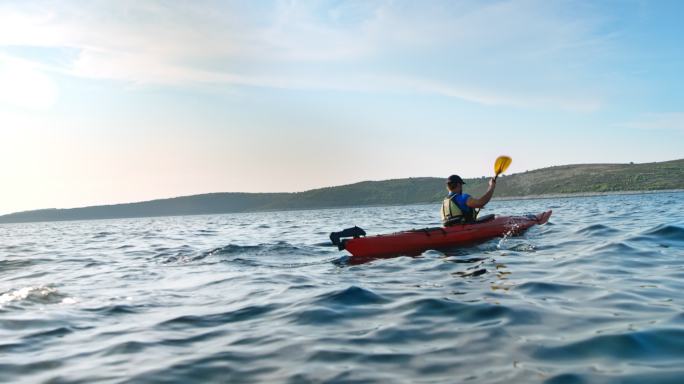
459,207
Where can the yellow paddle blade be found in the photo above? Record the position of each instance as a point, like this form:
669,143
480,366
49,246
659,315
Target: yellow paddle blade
501,164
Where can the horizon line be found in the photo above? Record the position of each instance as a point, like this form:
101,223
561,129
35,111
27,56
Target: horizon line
314,189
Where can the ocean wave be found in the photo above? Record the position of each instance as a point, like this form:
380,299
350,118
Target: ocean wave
252,312
597,230
677,319
662,376
665,235
279,248
7,265
103,234
232,249
115,309
227,366
545,288
523,247
273,255
13,372
320,316
587,298
655,344
667,231
33,295
470,313
616,248
350,297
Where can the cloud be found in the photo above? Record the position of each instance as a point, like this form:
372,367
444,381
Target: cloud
673,121
513,53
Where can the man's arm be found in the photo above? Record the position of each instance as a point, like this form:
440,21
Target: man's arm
482,201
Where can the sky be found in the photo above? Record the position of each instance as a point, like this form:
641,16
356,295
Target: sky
105,102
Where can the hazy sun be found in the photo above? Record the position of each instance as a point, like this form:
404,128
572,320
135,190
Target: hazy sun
24,86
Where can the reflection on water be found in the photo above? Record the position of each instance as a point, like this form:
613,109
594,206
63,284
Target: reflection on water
593,296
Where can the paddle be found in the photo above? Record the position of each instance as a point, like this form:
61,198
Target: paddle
501,165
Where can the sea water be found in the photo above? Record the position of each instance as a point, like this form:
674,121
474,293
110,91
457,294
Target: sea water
596,295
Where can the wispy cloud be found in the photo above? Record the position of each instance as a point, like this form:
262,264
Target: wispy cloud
657,121
521,54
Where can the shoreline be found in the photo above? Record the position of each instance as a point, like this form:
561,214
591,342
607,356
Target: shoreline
586,194
507,198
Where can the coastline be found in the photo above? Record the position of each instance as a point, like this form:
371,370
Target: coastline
586,194
506,198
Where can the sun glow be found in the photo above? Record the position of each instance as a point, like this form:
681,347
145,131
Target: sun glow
23,86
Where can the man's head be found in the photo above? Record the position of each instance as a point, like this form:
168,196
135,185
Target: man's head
454,183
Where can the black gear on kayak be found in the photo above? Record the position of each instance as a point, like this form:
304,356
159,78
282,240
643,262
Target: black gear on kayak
336,237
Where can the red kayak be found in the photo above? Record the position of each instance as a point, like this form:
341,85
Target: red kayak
415,242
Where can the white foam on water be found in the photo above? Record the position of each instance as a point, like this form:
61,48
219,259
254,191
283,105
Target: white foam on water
27,293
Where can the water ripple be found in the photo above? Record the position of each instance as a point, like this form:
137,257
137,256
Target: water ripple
594,296
216,319
660,344
350,297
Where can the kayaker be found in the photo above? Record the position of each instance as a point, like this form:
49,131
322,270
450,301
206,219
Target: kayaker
459,207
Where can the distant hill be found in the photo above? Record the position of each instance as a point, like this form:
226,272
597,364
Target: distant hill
590,178
566,179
